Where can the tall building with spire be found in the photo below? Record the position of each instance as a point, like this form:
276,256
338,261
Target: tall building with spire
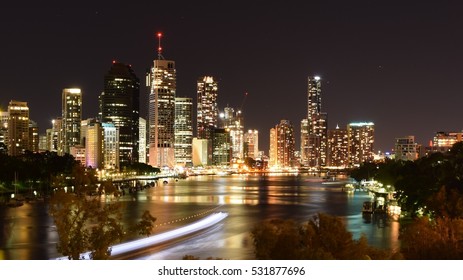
317,125
119,104
71,100
161,112
207,109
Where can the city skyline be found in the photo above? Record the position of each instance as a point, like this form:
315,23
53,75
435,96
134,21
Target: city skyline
382,62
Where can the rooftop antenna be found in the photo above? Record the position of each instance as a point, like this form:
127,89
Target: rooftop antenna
159,35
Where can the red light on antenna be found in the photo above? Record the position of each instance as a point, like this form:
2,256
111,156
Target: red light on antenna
114,61
159,49
159,34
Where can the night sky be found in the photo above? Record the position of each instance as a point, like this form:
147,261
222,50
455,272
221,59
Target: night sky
395,63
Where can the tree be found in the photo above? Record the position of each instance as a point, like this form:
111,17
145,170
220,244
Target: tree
85,224
324,237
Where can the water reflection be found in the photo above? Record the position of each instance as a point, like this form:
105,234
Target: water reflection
27,232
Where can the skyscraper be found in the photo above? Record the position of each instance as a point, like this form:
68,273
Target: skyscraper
18,128
71,100
252,142
142,143
207,110
283,137
233,123
317,124
119,104
338,147
361,137
162,84
183,130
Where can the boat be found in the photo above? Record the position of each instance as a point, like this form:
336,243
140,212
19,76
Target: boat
367,207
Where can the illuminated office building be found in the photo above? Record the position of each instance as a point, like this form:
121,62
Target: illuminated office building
119,104
285,144
94,148
233,122
251,139
273,156
71,101
183,131
406,148
207,110
142,154
221,148
18,128
361,137
3,132
111,148
338,147
162,86
315,153
33,136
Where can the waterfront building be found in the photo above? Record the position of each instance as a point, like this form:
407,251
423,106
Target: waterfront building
142,132
233,122
200,155
315,152
119,104
251,143
285,144
338,147
221,148
94,145
361,138
207,109
18,128
406,148
71,106
304,149
111,146
273,148
183,131
162,86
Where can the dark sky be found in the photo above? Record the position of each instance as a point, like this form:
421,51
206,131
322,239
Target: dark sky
395,63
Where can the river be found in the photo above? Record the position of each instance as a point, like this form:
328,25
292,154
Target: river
28,233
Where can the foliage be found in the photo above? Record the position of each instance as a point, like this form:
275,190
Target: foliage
322,238
145,225
140,168
438,239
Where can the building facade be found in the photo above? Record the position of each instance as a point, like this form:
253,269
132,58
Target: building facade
18,128
162,86
119,104
338,147
406,148
207,109
71,106
361,138
183,131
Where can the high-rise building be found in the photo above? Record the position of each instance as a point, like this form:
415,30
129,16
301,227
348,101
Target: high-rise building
4,131
183,131
71,101
338,147
119,104
361,137
207,109
142,133
110,146
33,136
162,84
56,136
304,142
285,144
406,148
233,122
18,128
221,148
94,145
273,148
252,143
317,126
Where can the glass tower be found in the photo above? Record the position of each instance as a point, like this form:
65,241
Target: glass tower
119,104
